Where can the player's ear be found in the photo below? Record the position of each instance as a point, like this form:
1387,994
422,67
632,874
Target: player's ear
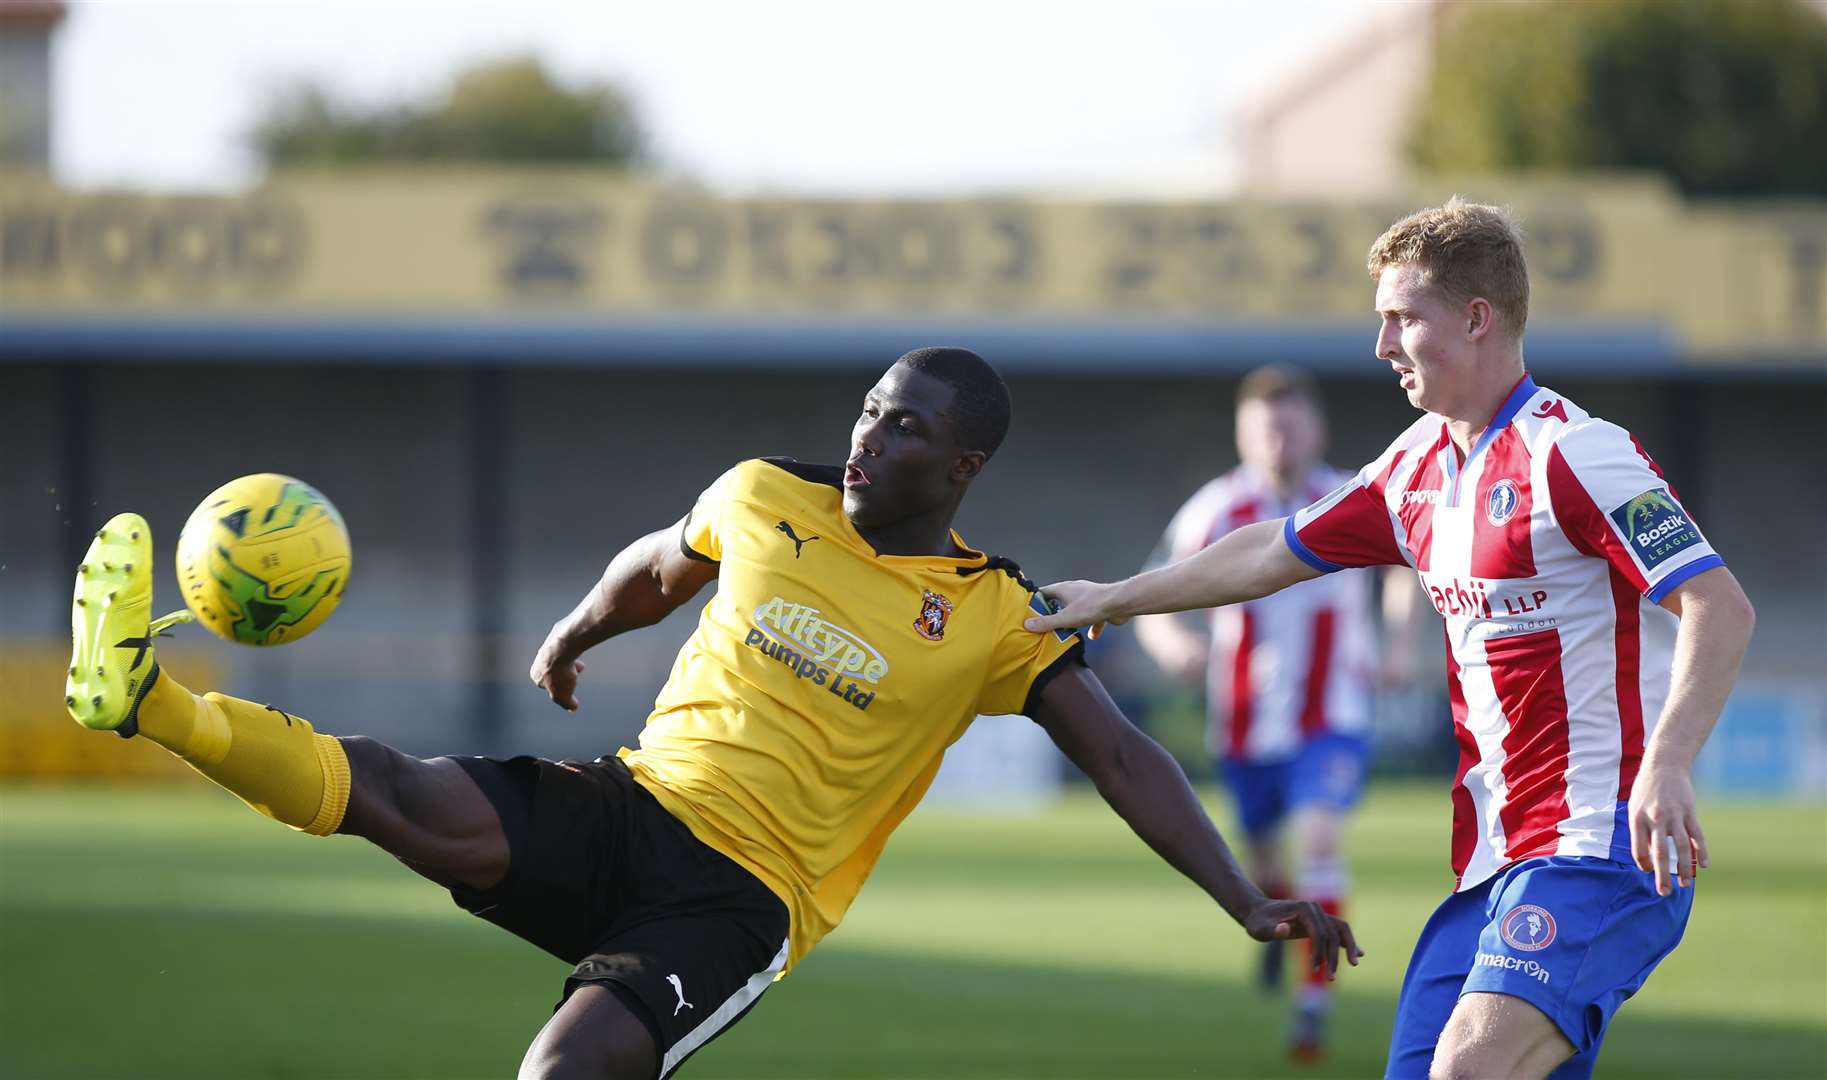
1478,317
967,465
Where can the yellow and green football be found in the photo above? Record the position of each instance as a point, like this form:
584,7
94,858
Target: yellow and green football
263,560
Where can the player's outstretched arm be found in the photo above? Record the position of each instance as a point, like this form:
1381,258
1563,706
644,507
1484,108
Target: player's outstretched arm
643,584
1244,564
1716,624
1146,787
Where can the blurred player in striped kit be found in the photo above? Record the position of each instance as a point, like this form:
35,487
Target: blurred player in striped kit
1288,678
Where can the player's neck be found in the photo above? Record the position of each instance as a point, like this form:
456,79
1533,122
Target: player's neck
1467,422
928,533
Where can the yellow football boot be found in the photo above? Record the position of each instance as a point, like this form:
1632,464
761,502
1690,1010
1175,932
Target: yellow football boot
111,660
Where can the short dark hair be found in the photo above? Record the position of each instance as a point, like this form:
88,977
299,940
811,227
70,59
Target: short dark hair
980,399
1278,382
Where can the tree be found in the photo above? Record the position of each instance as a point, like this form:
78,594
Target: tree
508,110
1727,97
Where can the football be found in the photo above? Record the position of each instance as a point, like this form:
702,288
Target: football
263,560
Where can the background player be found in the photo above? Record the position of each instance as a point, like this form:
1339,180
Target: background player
852,637
1593,636
1289,677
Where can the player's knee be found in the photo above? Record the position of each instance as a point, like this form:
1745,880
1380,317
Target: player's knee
1317,830
425,811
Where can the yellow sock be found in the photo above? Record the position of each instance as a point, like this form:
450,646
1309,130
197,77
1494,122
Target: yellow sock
276,763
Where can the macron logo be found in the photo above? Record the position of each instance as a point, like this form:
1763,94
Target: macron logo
1531,968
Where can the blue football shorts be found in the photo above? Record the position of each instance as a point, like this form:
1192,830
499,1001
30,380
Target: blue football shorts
1575,937
1327,771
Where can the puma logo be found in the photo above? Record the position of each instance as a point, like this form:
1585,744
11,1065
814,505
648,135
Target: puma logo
791,535
679,989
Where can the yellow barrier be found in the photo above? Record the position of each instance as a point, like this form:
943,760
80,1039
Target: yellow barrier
1723,279
39,740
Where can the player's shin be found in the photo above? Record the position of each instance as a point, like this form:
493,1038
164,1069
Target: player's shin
1313,1002
1322,879
276,763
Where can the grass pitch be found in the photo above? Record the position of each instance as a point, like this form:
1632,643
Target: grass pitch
169,932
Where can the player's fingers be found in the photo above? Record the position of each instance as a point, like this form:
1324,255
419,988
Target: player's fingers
1684,854
1350,941
1658,857
1640,839
1325,943
578,665
1699,838
1283,931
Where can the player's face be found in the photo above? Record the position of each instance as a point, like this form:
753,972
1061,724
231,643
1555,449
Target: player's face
1281,436
902,450
1426,339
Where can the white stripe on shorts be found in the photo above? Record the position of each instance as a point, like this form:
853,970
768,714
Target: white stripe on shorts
725,1014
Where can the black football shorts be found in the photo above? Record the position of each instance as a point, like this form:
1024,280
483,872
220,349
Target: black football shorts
601,876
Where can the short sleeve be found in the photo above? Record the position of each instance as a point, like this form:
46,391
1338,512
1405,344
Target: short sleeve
1351,525
1613,504
701,537
1024,662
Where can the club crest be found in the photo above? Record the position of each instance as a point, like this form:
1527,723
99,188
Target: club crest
1502,502
934,611
1528,927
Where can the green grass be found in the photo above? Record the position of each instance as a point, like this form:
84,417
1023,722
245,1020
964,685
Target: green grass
151,932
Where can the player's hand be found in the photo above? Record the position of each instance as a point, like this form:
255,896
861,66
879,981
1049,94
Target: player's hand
1662,809
1279,920
1077,604
555,671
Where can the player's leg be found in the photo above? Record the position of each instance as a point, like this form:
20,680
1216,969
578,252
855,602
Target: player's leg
1325,784
1498,1035
593,1035
1319,875
691,941
1430,987
428,813
1565,943
1259,791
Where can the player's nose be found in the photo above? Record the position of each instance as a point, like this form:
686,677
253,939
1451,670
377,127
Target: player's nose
865,439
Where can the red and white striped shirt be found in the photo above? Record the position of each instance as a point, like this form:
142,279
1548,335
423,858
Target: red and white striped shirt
1289,666
1547,549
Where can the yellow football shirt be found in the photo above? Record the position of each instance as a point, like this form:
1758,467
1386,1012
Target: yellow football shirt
808,713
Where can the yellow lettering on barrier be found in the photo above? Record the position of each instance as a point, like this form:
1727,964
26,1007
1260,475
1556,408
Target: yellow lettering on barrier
1724,280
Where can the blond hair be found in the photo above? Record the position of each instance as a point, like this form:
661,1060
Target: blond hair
1468,250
